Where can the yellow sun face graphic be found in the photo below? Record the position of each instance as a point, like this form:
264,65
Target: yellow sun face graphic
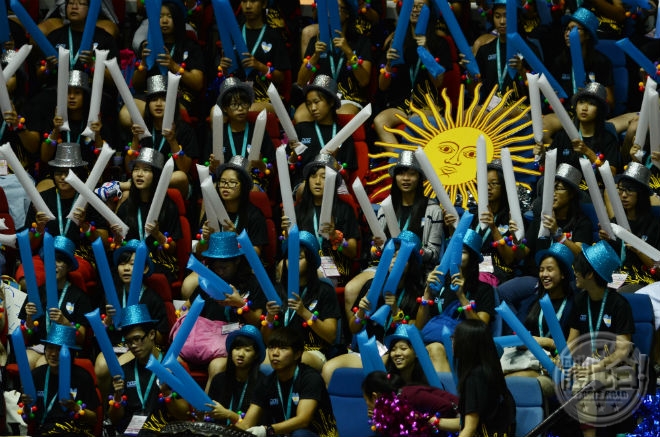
449,141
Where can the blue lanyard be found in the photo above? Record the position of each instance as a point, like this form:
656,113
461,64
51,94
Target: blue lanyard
258,41
559,314
414,72
500,71
63,229
593,331
125,295
335,69
316,229
59,304
231,141
405,225
162,139
52,401
139,220
289,312
240,401
142,395
72,60
287,413
68,138
3,128
320,137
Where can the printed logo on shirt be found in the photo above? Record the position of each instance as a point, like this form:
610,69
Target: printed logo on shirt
70,307
313,305
607,319
273,402
74,393
131,384
307,140
583,317
295,397
492,57
40,394
266,46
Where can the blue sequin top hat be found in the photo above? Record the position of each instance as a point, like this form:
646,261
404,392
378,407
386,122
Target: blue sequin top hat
134,315
636,172
62,335
570,175
411,237
66,247
586,18
327,86
321,160
562,254
242,166
232,83
131,246
472,240
310,242
401,333
252,333
150,157
407,159
156,84
67,155
222,245
602,258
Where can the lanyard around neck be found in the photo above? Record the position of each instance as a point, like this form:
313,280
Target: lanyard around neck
143,395
558,314
258,41
240,401
287,413
316,228
289,312
230,134
125,296
501,71
3,128
139,220
162,139
59,304
52,401
73,60
335,69
64,229
320,137
594,332
414,71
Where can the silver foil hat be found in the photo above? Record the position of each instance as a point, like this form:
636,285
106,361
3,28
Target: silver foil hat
407,159
232,83
151,157
636,172
495,164
241,165
6,57
593,90
67,155
327,86
78,79
570,175
321,160
156,84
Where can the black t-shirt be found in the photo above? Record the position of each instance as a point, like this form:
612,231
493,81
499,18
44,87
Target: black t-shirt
501,270
315,139
597,68
647,228
335,65
57,421
608,145
497,411
483,297
254,224
532,320
60,37
154,304
73,302
239,139
270,48
342,214
185,136
617,315
241,392
324,301
248,288
308,384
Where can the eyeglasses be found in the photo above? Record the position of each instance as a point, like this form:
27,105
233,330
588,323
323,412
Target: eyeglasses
137,340
626,190
234,106
224,183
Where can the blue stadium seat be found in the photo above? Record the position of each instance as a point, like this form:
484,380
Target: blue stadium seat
530,406
348,405
644,318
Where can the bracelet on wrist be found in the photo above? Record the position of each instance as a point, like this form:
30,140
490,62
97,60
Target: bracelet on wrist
30,331
178,154
469,307
358,319
26,413
181,69
388,73
311,320
130,151
120,401
268,75
81,410
509,241
354,63
167,399
275,322
166,244
20,125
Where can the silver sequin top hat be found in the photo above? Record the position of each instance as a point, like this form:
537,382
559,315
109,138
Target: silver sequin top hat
320,160
327,86
67,155
6,57
602,258
595,91
637,173
407,159
151,157
495,164
233,83
79,79
586,18
242,165
156,84
570,175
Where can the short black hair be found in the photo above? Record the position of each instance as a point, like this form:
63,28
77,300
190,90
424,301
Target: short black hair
287,337
582,266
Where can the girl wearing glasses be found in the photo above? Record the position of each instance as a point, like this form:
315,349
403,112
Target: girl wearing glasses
634,192
163,233
234,186
235,100
179,141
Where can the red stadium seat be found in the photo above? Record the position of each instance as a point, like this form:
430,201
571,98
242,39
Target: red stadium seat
183,246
